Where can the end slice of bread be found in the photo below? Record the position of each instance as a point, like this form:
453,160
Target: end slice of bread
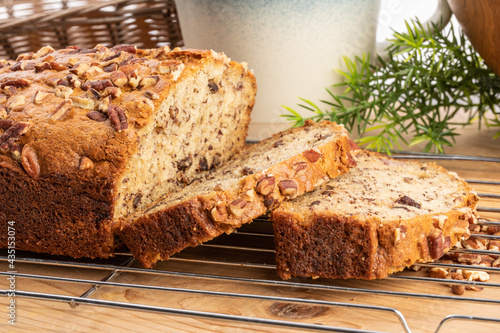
382,216
281,167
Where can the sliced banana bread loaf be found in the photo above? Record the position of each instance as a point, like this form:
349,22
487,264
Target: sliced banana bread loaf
382,216
92,135
281,167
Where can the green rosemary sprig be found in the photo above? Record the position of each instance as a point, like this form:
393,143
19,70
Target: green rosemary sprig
428,79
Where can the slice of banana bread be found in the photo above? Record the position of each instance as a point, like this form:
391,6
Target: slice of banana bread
91,135
382,216
281,167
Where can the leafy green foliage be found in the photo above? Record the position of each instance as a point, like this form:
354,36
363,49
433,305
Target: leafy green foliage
428,79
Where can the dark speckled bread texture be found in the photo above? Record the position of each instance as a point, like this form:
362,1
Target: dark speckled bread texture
382,216
88,136
256,181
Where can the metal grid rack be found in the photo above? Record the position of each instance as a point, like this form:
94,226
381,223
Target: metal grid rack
227,267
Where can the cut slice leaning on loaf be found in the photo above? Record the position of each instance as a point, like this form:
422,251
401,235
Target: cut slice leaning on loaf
283,166
382,216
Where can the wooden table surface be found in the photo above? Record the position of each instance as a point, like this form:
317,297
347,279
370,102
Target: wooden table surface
194,269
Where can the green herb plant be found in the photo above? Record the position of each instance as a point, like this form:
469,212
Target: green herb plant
427,80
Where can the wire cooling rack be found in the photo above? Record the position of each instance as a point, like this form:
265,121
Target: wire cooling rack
230,284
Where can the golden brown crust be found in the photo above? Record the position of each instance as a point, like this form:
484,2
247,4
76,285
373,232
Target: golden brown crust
170,230
333,243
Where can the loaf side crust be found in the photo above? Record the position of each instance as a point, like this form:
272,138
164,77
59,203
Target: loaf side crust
340,244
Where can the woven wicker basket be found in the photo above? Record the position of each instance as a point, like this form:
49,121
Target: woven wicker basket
26,26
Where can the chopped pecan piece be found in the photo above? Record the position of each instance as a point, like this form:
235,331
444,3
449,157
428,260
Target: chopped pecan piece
16,101
11,134
18,83
237,206
62,110
117,117
114,92
436,244
219,212
312,155
110,68
57,66
288,188
39,97
63,92
150,80
407,201
151,95
118,78
266,185
129,48
43,52
40,67
85,163
83,102
97,116
29,161
80,68
212,86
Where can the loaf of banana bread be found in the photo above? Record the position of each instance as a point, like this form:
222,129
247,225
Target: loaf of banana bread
382,216
88,136
256,181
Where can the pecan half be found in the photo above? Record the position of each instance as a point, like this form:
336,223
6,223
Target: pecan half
117,117
29,161
265,185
